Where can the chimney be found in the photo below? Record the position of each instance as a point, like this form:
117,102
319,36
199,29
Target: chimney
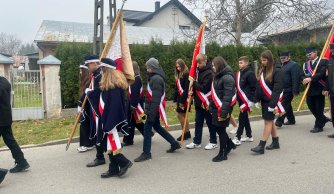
157,5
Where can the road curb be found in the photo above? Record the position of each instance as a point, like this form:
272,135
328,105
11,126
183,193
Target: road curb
171,128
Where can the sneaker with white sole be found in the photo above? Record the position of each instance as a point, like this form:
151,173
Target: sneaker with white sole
236,141
234,131
247,139
193,145
90,148
82,149
210,146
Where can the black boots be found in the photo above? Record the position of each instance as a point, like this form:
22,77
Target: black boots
274,144
187,136
174,147
96,162
260,148
19,167
3,173
143,157
118,166
222,155
230,146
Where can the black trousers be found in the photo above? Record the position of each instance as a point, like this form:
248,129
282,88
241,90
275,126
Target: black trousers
84,134
132,125
286,102
223,138
244,123
316,104
331,98
8,138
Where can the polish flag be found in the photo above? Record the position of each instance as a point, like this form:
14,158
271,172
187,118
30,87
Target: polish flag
328,53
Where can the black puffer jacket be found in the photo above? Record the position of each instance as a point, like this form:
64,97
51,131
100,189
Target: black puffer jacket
224,85
203,83
276,86
182,99
156,82
247,84
5,107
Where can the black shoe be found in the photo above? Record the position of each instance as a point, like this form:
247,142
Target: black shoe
124,169
274,144
96,162
317,130
143,157
260,148
187,135
3,173
289,123
222,155
331,136
20,167
174,147
230,146
109,174
124,144
278,124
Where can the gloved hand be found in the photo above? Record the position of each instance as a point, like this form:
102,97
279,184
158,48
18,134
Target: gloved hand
257,105
271,109
251,105
79,109
88,90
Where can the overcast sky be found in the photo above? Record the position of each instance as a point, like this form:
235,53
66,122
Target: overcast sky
23,17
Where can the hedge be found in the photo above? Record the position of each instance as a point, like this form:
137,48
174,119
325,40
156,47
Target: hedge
72,54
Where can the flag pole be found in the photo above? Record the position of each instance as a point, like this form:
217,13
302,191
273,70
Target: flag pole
103,55
316,67
190,98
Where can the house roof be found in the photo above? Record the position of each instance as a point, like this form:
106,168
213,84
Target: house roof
135,16
49,60
5,60
178,5
59,31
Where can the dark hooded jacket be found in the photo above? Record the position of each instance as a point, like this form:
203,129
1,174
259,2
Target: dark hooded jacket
224,85
156,81
203,83
5,107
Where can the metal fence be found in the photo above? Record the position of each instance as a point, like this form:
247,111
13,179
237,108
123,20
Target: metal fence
27,95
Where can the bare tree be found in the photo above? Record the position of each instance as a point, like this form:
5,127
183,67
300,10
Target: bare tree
9,44
234,17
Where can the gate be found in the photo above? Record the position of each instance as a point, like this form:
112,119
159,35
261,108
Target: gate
27,96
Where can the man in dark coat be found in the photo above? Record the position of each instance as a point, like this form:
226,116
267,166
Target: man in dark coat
6,132
315,99
155,95
329,89
291,72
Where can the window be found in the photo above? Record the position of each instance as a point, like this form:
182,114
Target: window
184,27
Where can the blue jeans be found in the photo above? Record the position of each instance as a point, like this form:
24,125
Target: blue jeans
160,130
202,114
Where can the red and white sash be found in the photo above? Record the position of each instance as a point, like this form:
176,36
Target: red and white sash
204,98
310,70
241,94
268,93
139,113
180,90
162,105
113,140
218,103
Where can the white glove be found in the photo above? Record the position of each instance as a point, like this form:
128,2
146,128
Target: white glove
251,104
271,109
79,109
88,90
257,105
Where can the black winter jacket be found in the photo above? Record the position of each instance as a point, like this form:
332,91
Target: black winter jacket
224,85
276,86
247,84
156,82
5,107
203,83
330,78
182,99
291,72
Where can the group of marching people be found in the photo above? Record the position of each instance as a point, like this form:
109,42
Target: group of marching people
115,106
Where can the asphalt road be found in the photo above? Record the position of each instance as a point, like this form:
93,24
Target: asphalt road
304,164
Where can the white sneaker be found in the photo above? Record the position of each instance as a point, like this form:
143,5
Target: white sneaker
211,146
236,141
247,139
82,149
234,131
192,146
90,148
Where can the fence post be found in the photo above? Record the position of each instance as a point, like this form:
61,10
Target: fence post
5,63
50,83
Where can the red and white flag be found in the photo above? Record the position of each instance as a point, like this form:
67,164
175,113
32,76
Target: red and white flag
328,52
